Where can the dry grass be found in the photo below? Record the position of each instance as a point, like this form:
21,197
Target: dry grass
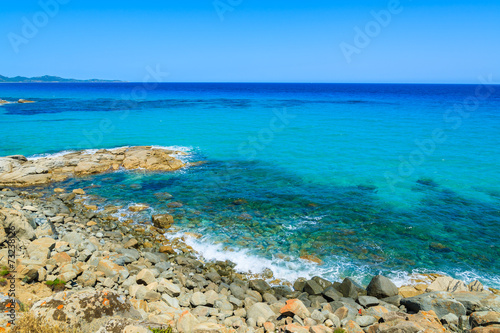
29,323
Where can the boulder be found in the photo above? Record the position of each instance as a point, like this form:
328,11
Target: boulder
440,284
86,310
440,302
14,222
186,322
424,321
110,269
351,289
367,301
145,277
484,318
260,285
381,287
163,221
295,307
259,310
313,288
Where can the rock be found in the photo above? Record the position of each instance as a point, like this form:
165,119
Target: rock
376,311
88,310
186,322
198,299
138,208
260,310
145,277
25,101
299,284
409,291
260,285
164,221
87,279
126,326
168,249
14,221
174,204
295,307
313,288
484,318
488,329
73,238
441,303
381,287
331,294
352,327
364,321
367,301
110,269
456,286
394,300
171,289
440,284
478,301
475,286
21,172
62,258
130,243
79,191
450,318
424,321
351,289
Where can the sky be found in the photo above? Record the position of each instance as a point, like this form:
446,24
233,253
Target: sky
398,41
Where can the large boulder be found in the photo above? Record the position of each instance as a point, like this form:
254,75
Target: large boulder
440,302
381,287
351,289
259,310
86,310
425,321
13,222
163,221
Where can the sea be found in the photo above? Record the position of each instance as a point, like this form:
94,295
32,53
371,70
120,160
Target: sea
392,179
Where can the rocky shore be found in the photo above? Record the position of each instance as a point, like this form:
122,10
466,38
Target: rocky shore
79,268
18,171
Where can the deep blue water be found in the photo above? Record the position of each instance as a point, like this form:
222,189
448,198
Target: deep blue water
369,178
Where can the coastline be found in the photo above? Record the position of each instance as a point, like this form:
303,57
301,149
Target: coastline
164,282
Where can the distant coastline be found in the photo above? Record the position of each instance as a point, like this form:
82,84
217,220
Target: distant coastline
49,79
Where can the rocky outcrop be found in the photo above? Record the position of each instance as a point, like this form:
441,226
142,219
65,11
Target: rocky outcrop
19,171
87,310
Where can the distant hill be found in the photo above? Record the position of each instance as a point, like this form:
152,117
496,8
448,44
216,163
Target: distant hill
45,78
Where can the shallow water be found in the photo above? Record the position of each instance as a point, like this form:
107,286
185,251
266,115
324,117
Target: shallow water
369,178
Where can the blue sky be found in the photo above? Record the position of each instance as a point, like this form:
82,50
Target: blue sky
253,40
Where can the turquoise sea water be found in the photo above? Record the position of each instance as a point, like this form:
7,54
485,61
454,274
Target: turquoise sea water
389,179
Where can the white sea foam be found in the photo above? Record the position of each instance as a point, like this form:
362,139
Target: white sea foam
54,155
335,268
